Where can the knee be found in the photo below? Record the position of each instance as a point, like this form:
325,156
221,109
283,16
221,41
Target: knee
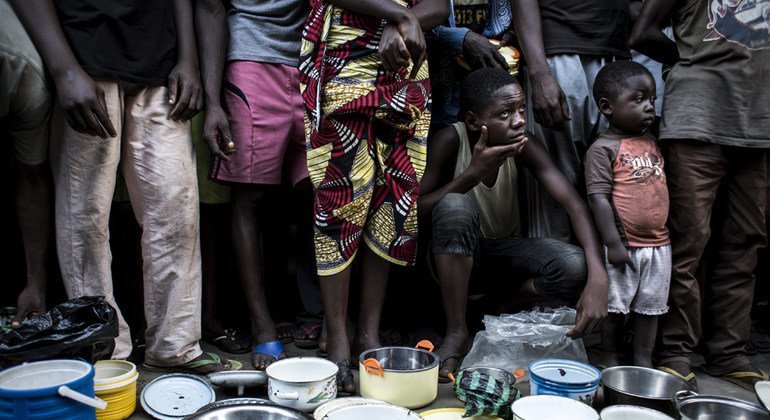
565,276
455,225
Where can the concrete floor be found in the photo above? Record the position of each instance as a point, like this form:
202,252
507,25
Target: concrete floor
446,397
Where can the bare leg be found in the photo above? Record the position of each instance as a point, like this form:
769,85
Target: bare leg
374,273
609,346
645,330
33,207
209,268
454,273
335,290
247,246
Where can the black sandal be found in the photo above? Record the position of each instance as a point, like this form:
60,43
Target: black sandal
343,374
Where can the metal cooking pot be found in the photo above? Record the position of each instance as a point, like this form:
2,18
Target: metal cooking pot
403,376
247,409
692,406
634,385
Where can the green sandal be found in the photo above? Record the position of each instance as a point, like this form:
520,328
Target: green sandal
194,366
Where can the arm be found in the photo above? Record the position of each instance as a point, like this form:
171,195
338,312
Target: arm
81,99
440,166
604,217
451,38
548,100
211,30
592,305
184,85
647,37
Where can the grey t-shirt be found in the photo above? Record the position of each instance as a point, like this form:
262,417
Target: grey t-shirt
718,91
266,31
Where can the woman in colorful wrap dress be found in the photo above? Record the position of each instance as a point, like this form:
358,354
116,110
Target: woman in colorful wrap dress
364,80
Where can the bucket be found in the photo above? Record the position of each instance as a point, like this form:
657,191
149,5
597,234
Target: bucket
564,378
48,389
115,382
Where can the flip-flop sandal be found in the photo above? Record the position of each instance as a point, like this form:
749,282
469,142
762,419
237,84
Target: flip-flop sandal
448,378
312,332
745,379
273,349
285,331
227,341
193,365
343,374
689,378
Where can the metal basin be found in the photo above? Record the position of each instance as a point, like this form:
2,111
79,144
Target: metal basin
403,359
247,409
634,385
692,406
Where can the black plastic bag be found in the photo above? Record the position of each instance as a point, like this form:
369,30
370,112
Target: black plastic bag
84,327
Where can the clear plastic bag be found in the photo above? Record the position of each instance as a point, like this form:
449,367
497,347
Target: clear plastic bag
512,341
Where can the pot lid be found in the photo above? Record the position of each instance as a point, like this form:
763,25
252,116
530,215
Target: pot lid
176,395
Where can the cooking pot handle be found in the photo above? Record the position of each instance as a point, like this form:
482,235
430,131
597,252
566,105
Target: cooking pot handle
83,399
287,395
373,367
683,395
425,345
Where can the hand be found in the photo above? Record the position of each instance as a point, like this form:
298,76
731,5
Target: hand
486,159
592,306
549,102
481,53
619,258
216,131
184,92
84,106
414,39
393,49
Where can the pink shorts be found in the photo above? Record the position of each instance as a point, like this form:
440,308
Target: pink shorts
265,110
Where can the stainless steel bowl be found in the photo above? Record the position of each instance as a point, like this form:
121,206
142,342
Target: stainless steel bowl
634,385
692,406
405,359
247,409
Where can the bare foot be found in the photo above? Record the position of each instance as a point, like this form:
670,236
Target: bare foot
454,347
31,302
362,344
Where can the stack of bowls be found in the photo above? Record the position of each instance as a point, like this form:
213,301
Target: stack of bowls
115,382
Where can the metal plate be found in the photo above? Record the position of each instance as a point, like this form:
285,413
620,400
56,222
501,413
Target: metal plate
176,395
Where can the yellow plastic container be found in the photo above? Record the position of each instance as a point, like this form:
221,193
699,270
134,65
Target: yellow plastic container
115,382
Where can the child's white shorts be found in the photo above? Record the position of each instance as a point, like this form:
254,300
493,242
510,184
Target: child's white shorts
646,290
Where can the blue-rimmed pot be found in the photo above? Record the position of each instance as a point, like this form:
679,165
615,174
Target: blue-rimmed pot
564,378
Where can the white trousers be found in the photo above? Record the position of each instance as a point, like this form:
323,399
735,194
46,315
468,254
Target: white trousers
156,158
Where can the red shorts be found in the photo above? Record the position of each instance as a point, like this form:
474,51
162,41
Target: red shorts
265,110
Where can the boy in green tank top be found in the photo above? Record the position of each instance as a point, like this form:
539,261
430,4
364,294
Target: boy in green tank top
464,166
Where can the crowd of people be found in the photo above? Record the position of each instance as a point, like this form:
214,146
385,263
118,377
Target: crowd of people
560,177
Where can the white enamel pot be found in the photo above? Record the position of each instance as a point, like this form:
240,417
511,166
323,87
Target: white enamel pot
303,383
404,376
551,407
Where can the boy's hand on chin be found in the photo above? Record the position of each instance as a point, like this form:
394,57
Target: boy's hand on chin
487,158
